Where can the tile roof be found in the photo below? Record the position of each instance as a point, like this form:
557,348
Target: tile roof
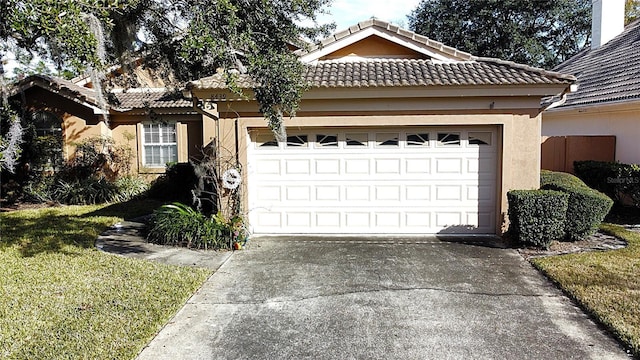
132,99
409,72
393,29
56,84
610,73
153,99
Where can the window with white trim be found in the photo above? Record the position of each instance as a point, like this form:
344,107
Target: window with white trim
159,144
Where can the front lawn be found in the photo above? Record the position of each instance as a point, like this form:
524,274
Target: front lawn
607,284
60,298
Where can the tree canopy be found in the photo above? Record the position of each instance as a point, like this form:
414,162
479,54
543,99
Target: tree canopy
536,32
183,39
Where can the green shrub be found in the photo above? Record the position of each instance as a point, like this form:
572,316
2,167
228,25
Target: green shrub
587,207
176,184
84,191
130,187
180,225
619,181
537,217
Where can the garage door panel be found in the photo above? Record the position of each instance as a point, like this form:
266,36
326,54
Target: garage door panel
298,193
417,220
369,181
448,166
387,219
387,193
356,167
417,193
387,166
298,219
327,193
358,219
268,167
269,194
448,192
420,166
327,166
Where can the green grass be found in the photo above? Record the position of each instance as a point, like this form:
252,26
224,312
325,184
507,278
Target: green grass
60,298
607,284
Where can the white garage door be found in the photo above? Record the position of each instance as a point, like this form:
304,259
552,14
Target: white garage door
417,180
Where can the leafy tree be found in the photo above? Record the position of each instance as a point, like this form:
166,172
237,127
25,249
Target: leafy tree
536,32
632,11
183,39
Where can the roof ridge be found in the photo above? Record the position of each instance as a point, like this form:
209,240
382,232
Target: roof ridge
387,26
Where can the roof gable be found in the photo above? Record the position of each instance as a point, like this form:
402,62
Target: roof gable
608,74
374,46
420,45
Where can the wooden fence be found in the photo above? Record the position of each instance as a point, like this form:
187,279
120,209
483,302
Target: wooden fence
559,152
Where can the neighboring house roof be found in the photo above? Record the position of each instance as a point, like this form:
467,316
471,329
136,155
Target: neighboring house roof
132,99
610,73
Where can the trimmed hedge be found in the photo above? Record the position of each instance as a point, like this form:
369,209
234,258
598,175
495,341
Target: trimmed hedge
587,207
619,181
537,217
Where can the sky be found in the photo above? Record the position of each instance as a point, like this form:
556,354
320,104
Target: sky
346,13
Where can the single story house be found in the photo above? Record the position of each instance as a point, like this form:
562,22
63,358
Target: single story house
161,127
607,101
397,134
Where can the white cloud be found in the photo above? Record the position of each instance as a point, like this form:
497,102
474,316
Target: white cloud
346,13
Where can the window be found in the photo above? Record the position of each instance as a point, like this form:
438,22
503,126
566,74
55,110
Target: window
297,141
418,139
383,139
356,140
479,138
48,128
266,141
159,144
326,140
46,123
449,139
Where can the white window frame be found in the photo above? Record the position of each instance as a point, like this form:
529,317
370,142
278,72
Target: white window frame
163,128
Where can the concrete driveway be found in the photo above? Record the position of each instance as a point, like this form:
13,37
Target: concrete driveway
397,299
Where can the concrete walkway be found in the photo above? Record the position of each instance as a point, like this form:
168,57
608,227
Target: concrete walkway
285,298
126,238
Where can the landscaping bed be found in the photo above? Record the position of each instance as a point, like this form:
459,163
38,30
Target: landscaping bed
62,298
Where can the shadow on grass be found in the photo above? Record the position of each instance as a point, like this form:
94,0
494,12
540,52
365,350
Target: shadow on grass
55,230
128,210
49,232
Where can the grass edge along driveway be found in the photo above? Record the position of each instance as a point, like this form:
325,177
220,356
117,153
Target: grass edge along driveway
606,284
62,298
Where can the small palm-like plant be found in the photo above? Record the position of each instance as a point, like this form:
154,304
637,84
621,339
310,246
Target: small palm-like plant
177,224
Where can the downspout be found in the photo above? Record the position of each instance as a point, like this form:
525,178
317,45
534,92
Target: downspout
563,98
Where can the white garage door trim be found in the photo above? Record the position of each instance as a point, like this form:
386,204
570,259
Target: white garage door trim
411,180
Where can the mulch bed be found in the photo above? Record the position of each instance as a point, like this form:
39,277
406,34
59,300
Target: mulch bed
598,242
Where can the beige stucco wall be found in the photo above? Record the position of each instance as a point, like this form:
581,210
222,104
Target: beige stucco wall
518,160
76,130
622,122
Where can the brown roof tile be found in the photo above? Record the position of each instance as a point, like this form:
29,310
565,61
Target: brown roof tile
134,99
410,72
153,99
